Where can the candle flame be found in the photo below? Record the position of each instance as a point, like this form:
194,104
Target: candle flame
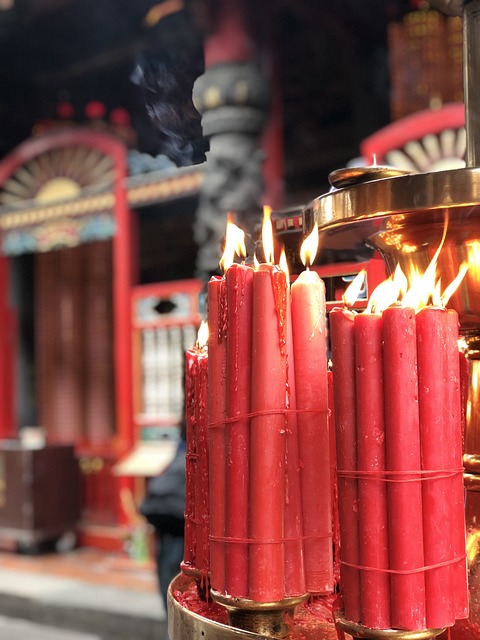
309,248
283,264
453,286
234,244
384,295
353,290
256,263
202,335
267,235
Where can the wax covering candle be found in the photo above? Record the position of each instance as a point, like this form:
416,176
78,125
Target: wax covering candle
436,437
239,280
216,419
455,407
402,433
309,343
372,489
189,553
268,431
202,510
294,555
343,358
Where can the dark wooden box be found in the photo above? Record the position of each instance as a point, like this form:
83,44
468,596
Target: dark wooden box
38,493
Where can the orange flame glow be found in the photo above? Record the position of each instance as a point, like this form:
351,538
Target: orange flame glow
309,248
453,286
234,244
353,290
283,264
202,335
267,235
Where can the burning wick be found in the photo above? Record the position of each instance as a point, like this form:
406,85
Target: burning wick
353,290
309,248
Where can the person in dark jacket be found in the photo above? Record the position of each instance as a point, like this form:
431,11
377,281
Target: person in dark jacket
164,508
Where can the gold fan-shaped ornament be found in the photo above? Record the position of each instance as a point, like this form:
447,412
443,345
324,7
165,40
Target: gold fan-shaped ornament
58,174
434,152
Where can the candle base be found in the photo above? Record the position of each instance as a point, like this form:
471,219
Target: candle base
266,619
201,578
359,632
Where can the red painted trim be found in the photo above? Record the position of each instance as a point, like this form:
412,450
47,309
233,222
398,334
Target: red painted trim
122,284
413,127
33,147
8,347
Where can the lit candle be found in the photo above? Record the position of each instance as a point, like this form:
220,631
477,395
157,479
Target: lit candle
372,492
310,349
294,555
455,406
239,279
216,418
268,429
343,359
202,510
189,553
402,439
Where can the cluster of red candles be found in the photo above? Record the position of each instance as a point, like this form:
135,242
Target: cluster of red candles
399,466
270,496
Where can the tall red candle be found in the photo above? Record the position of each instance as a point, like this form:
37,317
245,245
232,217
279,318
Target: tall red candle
268,429
454,408
436,438
309,343
343,358
404,492
333,477
294,555
216,431
239,280
202,509
189,552
372,491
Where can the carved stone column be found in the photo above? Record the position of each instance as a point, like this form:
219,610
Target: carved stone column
232,97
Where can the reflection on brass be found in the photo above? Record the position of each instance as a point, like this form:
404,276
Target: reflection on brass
186,625
264,618
348,176
359,631
403,218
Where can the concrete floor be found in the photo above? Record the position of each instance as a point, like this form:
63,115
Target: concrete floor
101,594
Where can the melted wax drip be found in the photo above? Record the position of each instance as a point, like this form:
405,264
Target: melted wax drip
280,295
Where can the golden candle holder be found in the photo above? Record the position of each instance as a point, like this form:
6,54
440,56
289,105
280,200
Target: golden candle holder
359,632
268,619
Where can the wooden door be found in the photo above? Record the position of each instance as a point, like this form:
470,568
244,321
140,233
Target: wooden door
74,365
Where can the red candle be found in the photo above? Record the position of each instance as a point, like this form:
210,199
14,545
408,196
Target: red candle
333,477
309,343
343,358
436,445
202,510
455,407
372,491
294,556
268,428
190,458
404,492
216,419
239,279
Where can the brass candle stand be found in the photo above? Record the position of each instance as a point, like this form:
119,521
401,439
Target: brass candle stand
359,632
268,619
